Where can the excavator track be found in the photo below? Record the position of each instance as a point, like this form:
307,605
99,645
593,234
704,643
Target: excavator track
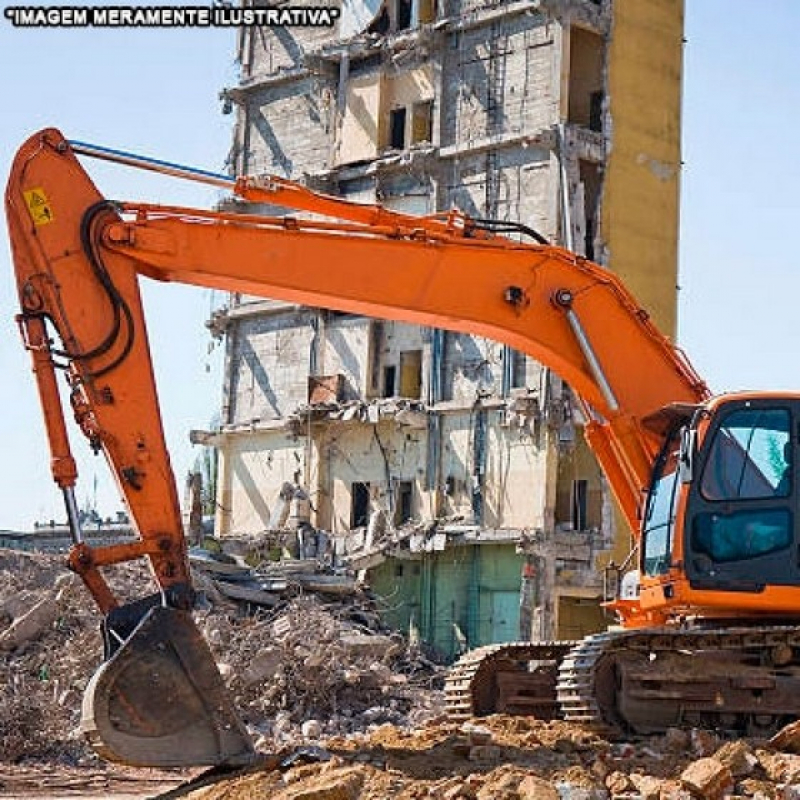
744,680
511,678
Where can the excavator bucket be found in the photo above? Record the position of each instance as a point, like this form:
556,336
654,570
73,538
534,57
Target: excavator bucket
160,701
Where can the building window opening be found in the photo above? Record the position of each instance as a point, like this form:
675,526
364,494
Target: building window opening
381,24
404,510
585,105
397,128
519,369
404,10
591,183
389,380
422,122
411,374
580,495
596,111
359,505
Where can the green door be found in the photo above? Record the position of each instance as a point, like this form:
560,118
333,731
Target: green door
504,621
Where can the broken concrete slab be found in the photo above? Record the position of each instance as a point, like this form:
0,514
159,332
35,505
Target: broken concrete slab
787,739
30,625
532,787
707,778
739,757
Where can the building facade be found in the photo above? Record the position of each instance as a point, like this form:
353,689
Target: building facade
448,467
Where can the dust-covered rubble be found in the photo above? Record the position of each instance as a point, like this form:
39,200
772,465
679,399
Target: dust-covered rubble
327,664
339,707
515,758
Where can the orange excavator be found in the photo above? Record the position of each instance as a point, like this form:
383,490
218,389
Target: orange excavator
709,612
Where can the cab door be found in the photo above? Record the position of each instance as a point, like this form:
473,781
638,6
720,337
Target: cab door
741,513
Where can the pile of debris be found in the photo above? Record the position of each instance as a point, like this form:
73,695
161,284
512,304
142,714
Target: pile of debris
341,709
317,668
516,758
309,666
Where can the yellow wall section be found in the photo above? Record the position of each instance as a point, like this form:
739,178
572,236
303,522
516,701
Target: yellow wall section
640,202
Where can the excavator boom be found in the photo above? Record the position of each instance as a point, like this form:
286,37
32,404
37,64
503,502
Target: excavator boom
78,260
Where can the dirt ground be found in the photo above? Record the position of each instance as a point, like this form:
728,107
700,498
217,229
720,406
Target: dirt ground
59,782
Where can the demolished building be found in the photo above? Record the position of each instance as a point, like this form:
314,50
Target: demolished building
449,467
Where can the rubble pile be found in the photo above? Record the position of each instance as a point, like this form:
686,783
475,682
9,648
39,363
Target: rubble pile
516,758
303,667
317,668
49,646
341,709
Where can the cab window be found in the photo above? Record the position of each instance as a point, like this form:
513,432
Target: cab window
660,513
750,456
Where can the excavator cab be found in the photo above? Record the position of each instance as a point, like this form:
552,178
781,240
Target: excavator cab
719,521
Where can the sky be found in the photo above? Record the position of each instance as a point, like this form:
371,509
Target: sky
155,92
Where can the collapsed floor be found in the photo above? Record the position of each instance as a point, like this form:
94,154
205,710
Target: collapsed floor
346,710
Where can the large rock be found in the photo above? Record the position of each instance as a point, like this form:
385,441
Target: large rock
619,783
532,787
17,604
707,778
30,625
503,784
788,738
650,788
341,785
738,757
780,767
262,666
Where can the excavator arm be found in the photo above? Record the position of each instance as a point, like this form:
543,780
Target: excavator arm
78,259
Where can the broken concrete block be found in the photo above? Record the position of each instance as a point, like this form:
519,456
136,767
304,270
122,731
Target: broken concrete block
225,670
757,789
30,625
16,605
738,758
459,792
445,788
650,788
342,785
311,729
570,791
533,787
787,739
780,767
372,644
262,666
476,734
707,778
619,783
486,753
501,787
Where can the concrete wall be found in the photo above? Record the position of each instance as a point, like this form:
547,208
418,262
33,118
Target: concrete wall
252,469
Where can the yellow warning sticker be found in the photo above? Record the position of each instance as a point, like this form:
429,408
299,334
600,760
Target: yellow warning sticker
38,206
